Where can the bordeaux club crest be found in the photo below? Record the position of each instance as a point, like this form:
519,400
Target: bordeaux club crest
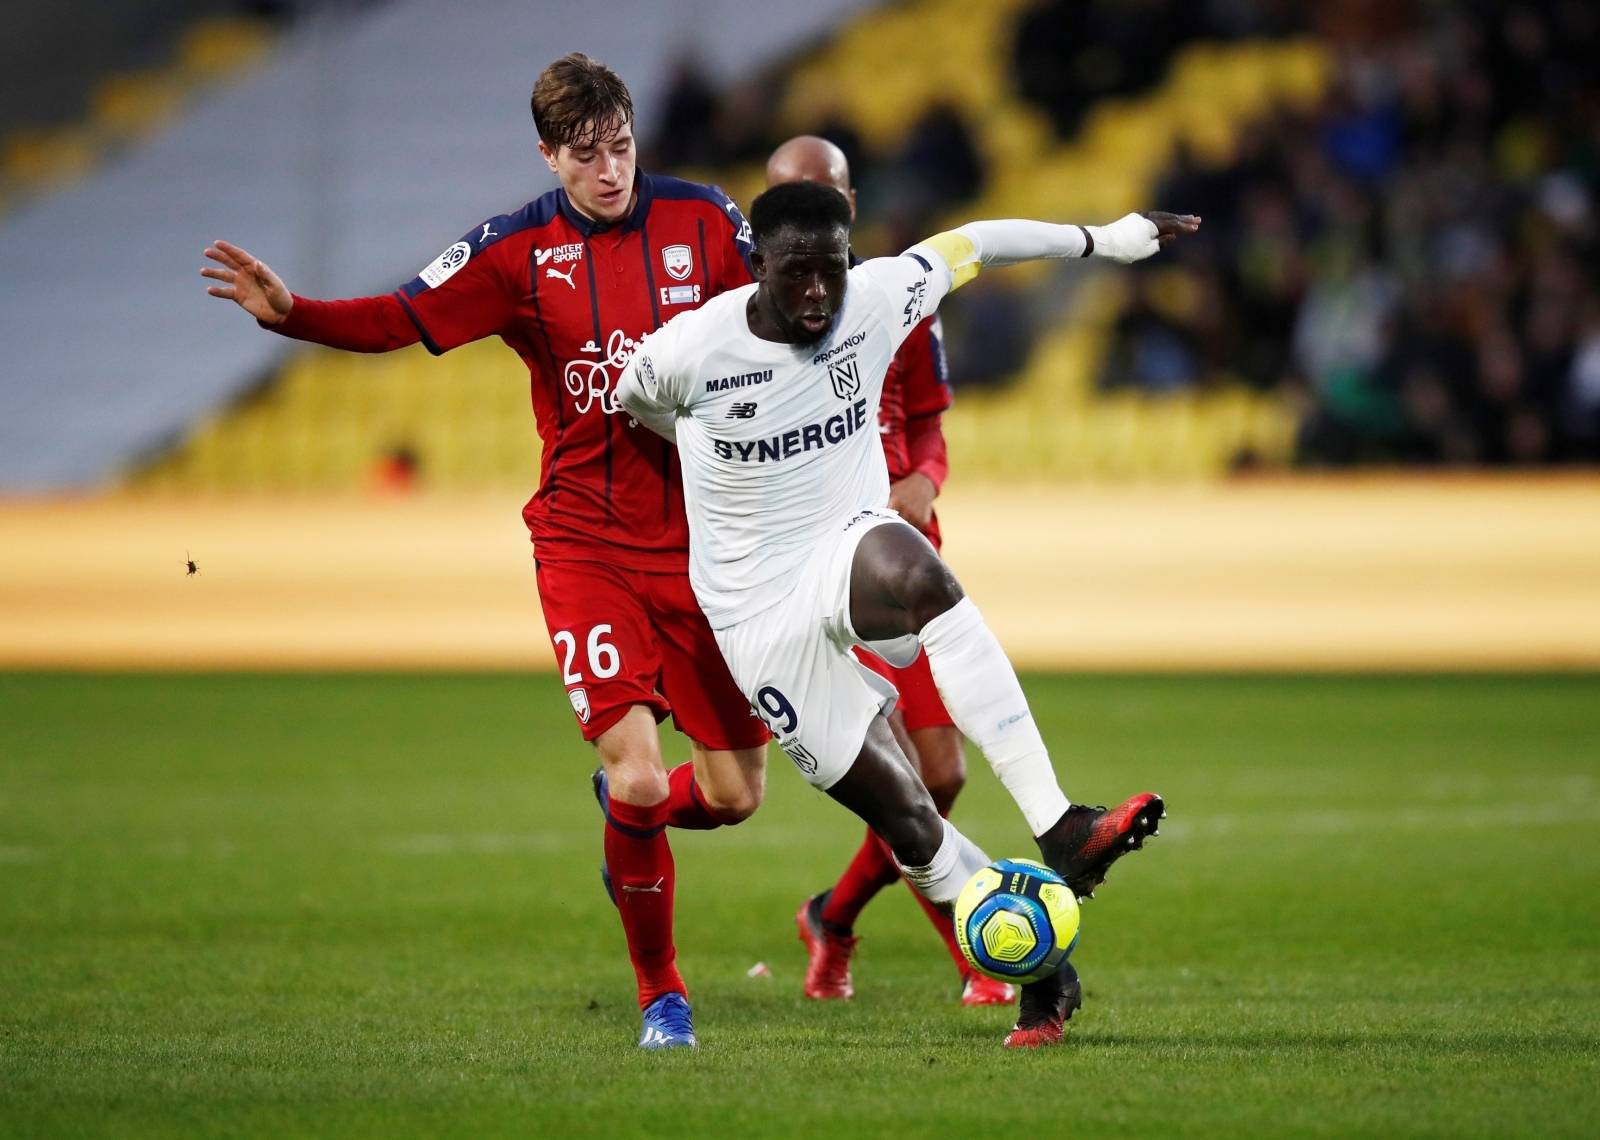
678,260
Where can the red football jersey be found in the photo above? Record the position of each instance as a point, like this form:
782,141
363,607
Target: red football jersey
916,391
573,297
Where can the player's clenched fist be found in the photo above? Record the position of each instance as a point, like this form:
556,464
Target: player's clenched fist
248,282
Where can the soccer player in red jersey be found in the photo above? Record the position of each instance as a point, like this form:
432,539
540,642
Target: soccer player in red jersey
571,282
916,394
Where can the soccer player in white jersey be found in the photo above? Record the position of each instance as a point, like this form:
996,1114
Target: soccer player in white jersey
771,393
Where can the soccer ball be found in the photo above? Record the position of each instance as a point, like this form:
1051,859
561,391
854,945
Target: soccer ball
1016,920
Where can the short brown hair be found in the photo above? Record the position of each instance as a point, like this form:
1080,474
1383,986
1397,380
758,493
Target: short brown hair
578,101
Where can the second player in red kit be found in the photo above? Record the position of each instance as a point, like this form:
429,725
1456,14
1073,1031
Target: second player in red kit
571,282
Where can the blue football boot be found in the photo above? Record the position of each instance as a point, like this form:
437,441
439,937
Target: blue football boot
668,1023
602,796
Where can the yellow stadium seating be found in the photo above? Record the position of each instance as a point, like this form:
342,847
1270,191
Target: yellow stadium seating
332,416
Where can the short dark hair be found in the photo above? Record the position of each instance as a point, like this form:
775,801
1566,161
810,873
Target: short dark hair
578,101
804,206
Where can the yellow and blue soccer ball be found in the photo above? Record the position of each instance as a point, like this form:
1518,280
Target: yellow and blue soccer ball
1016,920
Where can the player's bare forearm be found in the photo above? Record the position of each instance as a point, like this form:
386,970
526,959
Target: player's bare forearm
912,497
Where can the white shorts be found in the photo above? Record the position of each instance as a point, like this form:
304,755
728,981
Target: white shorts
793,662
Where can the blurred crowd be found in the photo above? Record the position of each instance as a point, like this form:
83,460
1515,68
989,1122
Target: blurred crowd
1070,53
1415,260
1413,263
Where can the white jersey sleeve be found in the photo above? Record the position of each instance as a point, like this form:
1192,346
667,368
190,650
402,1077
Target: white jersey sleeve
654,388
907,288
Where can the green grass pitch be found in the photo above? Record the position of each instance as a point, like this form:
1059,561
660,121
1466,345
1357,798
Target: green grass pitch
369,906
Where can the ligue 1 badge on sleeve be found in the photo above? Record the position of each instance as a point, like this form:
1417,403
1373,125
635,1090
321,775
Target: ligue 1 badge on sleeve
678,261
580,703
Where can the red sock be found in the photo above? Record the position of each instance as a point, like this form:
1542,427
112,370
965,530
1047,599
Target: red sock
686,808
946,928
872,869
640,864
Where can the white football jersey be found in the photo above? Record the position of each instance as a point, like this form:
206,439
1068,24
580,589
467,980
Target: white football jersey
779,443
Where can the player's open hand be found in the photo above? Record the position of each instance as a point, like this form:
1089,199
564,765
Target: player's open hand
913,498
248,282
1169,226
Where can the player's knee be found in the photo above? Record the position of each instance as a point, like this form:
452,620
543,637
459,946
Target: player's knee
928,590
737,804
637,784
635,775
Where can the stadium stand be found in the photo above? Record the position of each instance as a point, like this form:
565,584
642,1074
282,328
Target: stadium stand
333,418
327,162
85,78
1411,259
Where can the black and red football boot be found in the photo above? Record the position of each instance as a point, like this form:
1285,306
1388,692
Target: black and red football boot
1085,841
1045,1008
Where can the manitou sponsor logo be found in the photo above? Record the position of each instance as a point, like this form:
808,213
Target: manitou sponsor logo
742,380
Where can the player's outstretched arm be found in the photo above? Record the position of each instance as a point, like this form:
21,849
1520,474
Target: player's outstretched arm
361,324
248,282
1134,237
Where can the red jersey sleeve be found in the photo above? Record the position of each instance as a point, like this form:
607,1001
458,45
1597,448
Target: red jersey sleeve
361,324
925,447
735,245
925,375
926,381
468,292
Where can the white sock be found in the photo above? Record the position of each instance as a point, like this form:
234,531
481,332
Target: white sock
981,690
956,861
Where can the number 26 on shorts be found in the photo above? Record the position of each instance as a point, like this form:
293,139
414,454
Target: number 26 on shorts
604,660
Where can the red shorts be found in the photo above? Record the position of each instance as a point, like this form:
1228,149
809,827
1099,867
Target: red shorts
919,696
630,637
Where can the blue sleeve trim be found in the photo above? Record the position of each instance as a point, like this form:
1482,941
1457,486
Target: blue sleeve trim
427,341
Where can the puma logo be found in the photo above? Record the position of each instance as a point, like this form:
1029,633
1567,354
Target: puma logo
653,889
567,276
487,233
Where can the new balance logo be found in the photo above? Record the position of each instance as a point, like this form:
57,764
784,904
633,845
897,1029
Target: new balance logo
742,411
653,889
567,276
654,1036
